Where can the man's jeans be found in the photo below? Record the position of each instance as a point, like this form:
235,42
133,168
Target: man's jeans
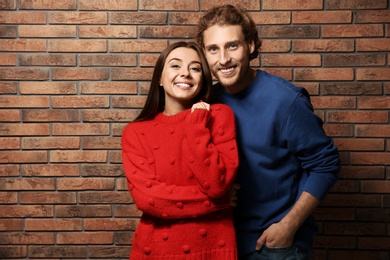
281,253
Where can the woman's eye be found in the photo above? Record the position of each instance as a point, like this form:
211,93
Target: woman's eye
195,69
175,66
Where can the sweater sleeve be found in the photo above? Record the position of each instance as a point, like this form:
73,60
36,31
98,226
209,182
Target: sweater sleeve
316,151
158,198
211,137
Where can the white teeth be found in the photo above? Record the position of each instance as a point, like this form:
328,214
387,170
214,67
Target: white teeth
183,85
227,70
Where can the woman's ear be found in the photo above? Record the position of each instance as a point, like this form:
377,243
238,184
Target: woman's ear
251,47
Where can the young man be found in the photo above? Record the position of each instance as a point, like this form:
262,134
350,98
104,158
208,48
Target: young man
287,163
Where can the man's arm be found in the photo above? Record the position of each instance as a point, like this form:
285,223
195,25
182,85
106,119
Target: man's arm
281,234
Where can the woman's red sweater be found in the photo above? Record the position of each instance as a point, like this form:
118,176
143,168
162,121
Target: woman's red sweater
180,169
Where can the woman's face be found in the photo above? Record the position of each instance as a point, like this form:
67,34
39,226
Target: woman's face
181,77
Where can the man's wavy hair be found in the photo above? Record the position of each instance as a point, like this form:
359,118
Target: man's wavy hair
230,15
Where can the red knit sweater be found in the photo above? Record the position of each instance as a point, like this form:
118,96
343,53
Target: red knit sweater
179,170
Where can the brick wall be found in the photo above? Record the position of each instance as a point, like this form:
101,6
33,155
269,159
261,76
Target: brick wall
74,72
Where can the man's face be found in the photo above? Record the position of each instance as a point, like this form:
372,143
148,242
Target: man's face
227,54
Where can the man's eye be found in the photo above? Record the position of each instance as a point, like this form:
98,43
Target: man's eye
212,50
233,46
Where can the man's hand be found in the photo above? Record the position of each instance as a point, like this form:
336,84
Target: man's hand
277,235
233,194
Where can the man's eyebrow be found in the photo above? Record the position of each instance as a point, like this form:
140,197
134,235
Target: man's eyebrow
226,44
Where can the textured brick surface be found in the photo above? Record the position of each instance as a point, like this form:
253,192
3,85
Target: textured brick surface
74,72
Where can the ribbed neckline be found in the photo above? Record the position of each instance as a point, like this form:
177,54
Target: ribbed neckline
174,118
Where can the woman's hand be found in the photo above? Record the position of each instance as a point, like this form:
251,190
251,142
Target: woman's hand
200,105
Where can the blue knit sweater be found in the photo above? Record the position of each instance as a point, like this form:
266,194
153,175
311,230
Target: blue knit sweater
283,151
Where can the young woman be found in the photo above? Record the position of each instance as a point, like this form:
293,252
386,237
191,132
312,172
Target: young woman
180,158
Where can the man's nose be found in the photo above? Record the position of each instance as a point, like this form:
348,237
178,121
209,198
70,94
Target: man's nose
224,58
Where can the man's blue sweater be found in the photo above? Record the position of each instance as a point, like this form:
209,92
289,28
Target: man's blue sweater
283,151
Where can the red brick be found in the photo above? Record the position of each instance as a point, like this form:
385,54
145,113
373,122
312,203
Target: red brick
9,170
117,32
375,186
78,156
57,252
31,238
108,115
174,31
86,184
358,255
124,238
129,102
372,214
267,18
355,4
352,200
110,224
80,102
372,130
48,88
288,31
339,130
168,5
48,197
27,59
150,17
339,242
8,59
7,143
370,158
351,60
51,143
137,46
80,129
373,44
324,74
148,60
110,252
346,186
9,116
374,102
25,129
49,31
373,74
358,228
127,211
86,238
51,116
109,170
291,60
115,156
366,30
8,5
8,88
80,73
117,5
131,73
22,17
27,184
358,116
375,16
351,88
13,251
11,225
323,45
318,17
48,4
108,88
284,73
8,31
70,211
77,18
292,5
26,211
77,45
354,144
103,197
108,60
101,143
8,198
55,170
362,172
381,243
24,74
333,102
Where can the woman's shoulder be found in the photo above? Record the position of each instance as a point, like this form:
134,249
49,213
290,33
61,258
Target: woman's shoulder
221,109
